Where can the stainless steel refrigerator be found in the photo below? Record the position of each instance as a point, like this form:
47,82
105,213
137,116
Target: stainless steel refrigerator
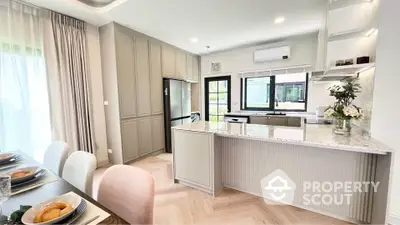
177,106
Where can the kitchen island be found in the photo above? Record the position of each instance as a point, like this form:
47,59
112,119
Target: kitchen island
211,155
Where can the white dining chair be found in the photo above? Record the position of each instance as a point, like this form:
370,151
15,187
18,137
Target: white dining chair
79,169
55,157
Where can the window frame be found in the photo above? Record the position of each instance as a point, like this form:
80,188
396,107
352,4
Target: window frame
243,96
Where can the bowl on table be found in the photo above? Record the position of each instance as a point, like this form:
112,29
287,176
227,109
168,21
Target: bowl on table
52,211
7,157
24,174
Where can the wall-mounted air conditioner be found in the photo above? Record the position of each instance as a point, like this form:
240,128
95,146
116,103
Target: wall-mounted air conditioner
271,54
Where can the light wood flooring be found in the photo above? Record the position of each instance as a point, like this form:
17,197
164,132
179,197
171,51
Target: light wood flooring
176,204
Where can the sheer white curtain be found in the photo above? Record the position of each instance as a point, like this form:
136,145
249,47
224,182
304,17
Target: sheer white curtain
24,104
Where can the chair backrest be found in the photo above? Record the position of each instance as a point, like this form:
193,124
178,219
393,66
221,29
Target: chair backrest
79,169
55,157
129,192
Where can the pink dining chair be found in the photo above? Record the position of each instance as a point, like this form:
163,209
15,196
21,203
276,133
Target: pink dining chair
129,192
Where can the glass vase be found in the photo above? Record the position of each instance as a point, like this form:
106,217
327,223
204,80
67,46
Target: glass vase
342,127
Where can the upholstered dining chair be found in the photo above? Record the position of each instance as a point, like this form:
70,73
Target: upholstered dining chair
55,156
129,192
79,169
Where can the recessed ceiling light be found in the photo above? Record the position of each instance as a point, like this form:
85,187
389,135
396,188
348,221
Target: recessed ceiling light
280,19
194,40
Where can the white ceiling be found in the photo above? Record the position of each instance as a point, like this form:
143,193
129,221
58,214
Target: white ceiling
221,24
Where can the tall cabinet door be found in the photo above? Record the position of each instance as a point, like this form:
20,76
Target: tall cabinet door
156,78
126,74
143,76
129,133
180,65
189,67
168,61
157,129
195,69
145,136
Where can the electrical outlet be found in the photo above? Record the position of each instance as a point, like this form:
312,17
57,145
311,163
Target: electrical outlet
109,151
105,102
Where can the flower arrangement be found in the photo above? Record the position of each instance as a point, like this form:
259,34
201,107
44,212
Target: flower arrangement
343,109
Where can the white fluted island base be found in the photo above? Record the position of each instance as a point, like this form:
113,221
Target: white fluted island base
208,162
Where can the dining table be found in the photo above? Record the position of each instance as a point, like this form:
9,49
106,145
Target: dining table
49,191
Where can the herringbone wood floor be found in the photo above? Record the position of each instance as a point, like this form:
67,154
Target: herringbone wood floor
176,204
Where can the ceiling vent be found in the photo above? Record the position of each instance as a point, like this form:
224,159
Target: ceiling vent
216,67
271,54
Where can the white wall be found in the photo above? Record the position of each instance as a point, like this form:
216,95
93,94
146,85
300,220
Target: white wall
303,51
385,125
96,82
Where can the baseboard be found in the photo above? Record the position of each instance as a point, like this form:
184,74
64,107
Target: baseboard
393,220
103,163
145,156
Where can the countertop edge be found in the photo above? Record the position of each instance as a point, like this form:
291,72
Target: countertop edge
301,143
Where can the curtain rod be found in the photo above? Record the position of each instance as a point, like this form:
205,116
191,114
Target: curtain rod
26,3
277,68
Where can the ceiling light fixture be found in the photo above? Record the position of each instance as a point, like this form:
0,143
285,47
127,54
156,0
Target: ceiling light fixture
279,20
370,32
194,40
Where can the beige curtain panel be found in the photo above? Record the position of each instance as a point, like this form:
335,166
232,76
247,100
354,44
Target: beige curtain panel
68,81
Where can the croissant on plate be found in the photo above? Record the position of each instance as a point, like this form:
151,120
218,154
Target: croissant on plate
52,211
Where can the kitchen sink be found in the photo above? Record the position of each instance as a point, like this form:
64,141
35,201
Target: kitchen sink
275,114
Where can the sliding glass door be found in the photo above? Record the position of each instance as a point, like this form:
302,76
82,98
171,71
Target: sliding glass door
217,97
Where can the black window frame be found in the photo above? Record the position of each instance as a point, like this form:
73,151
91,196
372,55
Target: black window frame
243,97
206,92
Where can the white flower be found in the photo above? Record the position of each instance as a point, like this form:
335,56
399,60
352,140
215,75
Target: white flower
329,112
351,111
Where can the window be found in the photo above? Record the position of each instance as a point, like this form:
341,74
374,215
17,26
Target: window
287,92
217,90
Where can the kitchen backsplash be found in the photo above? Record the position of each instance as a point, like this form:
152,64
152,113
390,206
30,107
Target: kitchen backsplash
364,98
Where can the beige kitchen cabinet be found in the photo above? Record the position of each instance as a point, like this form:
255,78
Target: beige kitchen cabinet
157,129
189,67
129,135
258,120
180,65
276,121
192,152
124,46
195,69
156,78
145,136
294,121
142,76
168,61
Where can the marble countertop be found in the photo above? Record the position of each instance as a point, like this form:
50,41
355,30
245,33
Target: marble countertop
314,135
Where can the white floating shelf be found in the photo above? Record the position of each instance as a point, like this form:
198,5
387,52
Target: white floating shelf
363,32
337,4
331,77
350,69
339,73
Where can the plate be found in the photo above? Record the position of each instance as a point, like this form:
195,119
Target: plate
6,157
74,216
9,161
33,171
37,177
73,200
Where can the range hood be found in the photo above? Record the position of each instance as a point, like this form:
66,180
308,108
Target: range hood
339,73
